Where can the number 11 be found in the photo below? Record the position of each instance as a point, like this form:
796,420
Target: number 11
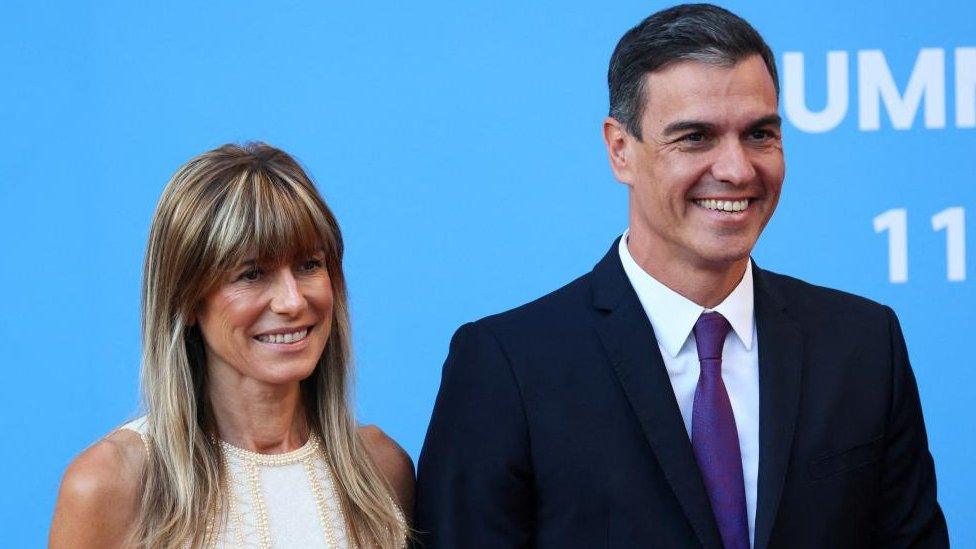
952,220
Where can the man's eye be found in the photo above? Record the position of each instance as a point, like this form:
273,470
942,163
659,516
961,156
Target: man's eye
760,135
696,137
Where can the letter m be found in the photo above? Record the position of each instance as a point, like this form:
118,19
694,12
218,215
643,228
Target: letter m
875,84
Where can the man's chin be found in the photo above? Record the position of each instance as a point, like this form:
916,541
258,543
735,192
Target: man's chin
724,256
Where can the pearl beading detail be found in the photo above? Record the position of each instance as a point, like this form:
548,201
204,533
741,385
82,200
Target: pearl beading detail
306,455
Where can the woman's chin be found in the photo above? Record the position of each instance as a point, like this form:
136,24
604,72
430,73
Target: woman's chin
284,374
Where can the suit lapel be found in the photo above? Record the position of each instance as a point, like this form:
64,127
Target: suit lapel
636,359
780,368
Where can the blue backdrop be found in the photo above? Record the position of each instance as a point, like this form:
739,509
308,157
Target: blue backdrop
459,145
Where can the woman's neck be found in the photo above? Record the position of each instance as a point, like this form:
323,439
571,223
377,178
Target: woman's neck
257,416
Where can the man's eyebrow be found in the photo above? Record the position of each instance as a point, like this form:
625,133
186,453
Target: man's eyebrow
770,120
682,126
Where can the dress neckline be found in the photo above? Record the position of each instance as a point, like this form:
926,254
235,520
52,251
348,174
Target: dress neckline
271,460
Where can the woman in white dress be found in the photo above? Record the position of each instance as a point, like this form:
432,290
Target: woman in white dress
248,439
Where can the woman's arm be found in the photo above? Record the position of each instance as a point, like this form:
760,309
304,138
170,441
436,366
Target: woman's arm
393,462
99,497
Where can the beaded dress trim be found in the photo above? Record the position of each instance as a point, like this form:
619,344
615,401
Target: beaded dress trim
248,515
246,521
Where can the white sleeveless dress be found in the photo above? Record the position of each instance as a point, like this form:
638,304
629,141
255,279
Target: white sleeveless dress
277,500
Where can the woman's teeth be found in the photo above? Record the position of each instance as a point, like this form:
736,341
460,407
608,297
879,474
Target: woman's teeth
723,205
284,338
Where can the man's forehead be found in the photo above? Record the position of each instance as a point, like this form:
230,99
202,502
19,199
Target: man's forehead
709,90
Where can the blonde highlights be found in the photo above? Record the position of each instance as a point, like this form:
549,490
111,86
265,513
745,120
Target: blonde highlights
219,206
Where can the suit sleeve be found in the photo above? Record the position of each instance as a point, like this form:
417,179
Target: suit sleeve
474,478
910,512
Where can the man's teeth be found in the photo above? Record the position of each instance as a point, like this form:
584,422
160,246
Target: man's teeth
723,205
284,338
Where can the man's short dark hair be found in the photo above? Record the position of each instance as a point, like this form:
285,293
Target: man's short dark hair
688,32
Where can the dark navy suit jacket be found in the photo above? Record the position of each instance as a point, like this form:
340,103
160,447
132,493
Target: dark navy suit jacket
556,426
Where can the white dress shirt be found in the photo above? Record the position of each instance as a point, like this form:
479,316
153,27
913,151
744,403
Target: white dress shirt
673,316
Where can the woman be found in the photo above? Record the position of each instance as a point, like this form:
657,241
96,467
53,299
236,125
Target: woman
248,438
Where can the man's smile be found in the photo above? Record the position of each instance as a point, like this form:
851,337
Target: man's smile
719,205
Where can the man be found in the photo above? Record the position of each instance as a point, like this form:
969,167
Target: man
678,395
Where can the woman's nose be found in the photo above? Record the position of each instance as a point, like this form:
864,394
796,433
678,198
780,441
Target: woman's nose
286,298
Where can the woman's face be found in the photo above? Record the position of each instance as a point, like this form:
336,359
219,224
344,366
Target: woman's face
268,323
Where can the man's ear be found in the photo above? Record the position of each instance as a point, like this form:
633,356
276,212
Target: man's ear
618,142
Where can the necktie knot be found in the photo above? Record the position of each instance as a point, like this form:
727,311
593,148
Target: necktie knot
710,331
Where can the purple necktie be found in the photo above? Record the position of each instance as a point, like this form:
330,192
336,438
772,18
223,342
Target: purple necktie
714,436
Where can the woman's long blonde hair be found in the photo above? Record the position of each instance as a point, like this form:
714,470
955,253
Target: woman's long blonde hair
218,207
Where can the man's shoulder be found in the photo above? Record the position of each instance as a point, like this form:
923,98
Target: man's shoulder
565,304
551,320
813,301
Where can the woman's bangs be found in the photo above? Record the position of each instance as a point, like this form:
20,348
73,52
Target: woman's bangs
285,224
267,221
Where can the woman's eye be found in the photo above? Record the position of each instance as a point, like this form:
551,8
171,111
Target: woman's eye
250,275
312,265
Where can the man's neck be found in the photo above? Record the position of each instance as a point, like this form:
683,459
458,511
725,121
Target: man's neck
705,284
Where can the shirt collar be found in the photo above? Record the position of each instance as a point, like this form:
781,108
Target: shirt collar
673,316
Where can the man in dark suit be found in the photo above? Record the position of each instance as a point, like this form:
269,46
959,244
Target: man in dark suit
678,395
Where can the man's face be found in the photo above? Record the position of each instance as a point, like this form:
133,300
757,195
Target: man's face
707,175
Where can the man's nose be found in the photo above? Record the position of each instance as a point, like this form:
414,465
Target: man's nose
733,164
286,298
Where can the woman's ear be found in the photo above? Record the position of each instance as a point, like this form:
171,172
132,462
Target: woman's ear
193,317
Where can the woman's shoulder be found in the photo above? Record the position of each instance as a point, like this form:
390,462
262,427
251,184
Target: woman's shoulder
393,461
115,462
100,492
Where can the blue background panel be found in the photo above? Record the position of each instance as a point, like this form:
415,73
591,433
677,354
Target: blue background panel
459,145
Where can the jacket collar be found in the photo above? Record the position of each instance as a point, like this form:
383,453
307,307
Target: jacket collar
631,346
